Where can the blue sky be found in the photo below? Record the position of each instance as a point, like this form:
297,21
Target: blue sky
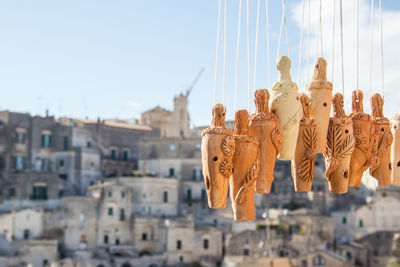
119,58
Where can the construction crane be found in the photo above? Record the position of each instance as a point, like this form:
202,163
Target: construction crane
194,82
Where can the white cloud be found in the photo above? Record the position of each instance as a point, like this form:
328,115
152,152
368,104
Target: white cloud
391,27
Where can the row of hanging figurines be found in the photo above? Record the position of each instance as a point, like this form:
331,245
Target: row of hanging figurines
296,128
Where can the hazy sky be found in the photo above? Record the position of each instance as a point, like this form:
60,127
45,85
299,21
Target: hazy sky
119,58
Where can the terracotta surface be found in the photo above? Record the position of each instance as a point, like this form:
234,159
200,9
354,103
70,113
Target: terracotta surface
264,126
217,149
361,159
381,168
304,159
245,164
339,147
320,93
396,149
285,103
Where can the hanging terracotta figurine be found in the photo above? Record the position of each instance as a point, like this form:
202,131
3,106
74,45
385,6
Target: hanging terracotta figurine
245,164
264,126
286,105
381,168
396,149
361,157
304,159
339,147
320,92
217,149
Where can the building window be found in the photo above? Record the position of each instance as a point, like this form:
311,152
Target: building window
117,241
46,139
125,155
65,143
26,234
110,211
45,165
361,223
171,172
113,153
61,163
88,144
179,244
198,146
122,215
203,194
109,194
205,243
197,175
19,162
189,194
172,147
21,137
319,261
246,252
105,239
123,194
144,236
165,196
39,193
344,220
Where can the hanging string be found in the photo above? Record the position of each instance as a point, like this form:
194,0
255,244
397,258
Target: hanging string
237,55
224,71
319,35
333,39
256,46
283,23
301,43
358,49
308,41
216,53
341,46
383,70
267,26
371,47
248,55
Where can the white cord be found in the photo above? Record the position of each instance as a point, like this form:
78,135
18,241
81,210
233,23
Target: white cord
248,55
286,28
280,31
224,71
333,39
341,39
358,47
237,55
371,47
268,59
256,46
320,27
301,43
308,41
383,70
216,53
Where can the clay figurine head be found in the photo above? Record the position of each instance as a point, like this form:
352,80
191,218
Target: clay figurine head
320,70
357,101
261,98
338,104
283,64
218,114
305,104
377,106
241,122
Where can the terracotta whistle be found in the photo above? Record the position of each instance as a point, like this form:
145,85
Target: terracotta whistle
304,158
381,168
286,105
361,157
264,126
217,149
245,163
339,147
320,93
396,149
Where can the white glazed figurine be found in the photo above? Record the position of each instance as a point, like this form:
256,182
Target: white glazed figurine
320,93
396,149
285,103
